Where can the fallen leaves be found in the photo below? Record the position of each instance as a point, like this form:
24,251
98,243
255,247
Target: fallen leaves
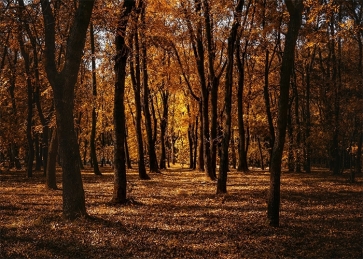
178,215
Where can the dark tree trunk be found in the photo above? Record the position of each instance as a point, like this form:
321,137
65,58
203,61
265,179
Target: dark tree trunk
63,83
30,108
234,158
51,181
96,169
223,167
163,127
195,134
295,9
153,162
242,154
290,133
190,142
135,78
261,156
122,52
266,96
127,153
297,162
201,140
308,70
38,153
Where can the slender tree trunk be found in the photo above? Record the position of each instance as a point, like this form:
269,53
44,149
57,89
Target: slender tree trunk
201,140
135,78
223,168
195,141
242,154
266,96
51,181
163,127
122,52
127,153
30,108
290,133
261,156
295,9
307,117
297,162
96,169
153,162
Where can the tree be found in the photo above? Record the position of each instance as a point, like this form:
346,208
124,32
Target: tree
94,93
122,52
295,8
63,80
223,168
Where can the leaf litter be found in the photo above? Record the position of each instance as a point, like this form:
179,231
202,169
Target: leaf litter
178,215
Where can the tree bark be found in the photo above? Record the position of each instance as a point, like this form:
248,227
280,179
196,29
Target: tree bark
96,169
242,154
51,181
295,8
122,52
135,78
163,127
63,83
153,162
29,134
223,167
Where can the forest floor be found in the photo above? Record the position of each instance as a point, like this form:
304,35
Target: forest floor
177,214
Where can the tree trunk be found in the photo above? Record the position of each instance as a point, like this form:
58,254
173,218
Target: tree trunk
201,140
51,181
153,162
261,156
135,78
63,84
295,9
127,153
122,52
242,154
223,167
30,108
190,143
96,169
163,127
266,96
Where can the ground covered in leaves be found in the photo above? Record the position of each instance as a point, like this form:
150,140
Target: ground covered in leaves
177,214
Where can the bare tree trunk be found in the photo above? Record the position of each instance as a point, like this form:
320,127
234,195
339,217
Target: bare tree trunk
295,9
135,78
51,181
63,83
122,52
223,168
153,162
96,169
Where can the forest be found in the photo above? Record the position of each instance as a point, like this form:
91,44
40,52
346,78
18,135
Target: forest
240,118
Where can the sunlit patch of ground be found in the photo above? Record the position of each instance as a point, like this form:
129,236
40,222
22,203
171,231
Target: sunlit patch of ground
177,214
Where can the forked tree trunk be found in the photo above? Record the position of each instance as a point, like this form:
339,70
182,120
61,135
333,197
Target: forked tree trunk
63,84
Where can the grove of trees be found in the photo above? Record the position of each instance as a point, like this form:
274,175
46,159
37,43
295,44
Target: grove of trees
215,85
